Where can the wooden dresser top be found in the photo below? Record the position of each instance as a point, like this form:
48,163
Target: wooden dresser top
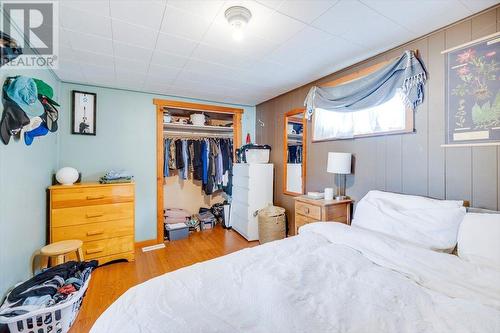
321,202
87,184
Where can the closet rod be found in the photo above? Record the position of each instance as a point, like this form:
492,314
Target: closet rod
186,135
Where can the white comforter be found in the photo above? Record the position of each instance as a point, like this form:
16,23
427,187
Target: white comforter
330,278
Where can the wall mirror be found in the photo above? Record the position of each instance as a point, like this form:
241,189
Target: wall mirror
294,152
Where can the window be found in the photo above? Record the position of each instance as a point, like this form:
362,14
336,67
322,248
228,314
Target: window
387,118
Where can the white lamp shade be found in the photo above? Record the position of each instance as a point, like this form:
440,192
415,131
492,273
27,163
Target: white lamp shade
339,163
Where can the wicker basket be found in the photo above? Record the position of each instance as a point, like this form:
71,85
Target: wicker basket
272,225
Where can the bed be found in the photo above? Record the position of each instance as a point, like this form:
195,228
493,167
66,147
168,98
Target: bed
330,278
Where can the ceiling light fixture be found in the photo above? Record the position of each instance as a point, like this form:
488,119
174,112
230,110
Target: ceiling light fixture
238,17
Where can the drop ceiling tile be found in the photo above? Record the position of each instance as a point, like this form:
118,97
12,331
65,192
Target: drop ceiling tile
154,87
204,8
219,36
175,45
209,68
167,59
131,52
94,59
435,12
305,10
279,28
98,74
344,16
128,77
69,66
66,54
308,38
134,34
69,76
85,22
163,73
131,65
184,24
86,42
273,4
224,57
145,13
96,7
477,5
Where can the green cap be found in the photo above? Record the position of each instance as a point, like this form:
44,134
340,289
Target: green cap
45,90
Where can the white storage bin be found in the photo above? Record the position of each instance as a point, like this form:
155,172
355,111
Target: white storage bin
257,155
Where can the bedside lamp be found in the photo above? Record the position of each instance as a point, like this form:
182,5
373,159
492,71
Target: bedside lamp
340,164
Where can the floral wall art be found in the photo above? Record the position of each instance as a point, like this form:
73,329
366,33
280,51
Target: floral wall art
473,93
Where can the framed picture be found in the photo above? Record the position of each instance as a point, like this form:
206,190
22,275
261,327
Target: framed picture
473,93
83,120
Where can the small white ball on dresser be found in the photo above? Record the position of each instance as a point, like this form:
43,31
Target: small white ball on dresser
67,176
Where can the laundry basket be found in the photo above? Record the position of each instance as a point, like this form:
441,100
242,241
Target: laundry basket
272,224
53,319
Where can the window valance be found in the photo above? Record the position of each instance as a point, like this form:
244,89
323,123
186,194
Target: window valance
405,75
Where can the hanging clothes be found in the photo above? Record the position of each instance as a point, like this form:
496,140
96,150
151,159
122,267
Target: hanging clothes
166,157
204,158
179,159
185,160
219,170
197,160
209,160
171,161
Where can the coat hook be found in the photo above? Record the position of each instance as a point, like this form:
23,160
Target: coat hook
261,123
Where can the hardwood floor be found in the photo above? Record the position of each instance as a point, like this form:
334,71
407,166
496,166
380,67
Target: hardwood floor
110,281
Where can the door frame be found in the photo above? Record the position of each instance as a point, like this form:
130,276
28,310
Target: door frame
160,105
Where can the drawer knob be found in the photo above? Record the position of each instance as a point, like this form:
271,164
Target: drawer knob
89,216
92,251
306,210
94,233
95,197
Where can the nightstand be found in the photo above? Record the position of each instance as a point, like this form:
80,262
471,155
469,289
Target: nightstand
311,210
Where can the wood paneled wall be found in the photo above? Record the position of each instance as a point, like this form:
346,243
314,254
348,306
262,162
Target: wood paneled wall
407,163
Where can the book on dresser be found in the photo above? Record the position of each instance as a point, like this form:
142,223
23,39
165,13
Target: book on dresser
101,215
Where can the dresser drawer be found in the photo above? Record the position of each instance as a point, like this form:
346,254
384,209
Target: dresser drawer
88,196
336,212
308,210
94,231
91,214
301,220
107,247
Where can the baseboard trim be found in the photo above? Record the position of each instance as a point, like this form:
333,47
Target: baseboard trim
147,242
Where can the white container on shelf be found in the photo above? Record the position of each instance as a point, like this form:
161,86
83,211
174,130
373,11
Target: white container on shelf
198,119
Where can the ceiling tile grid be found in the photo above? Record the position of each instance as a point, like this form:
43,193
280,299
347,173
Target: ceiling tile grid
185,48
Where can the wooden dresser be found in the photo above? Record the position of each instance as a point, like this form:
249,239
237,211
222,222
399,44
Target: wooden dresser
101,215
310,210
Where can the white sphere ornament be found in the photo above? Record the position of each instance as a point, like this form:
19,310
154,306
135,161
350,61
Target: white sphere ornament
67,176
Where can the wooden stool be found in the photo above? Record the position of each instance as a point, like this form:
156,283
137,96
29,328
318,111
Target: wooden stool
59,251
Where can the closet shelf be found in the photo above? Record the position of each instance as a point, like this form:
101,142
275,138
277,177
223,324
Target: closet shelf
206,128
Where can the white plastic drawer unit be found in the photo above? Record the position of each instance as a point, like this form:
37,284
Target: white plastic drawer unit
252,191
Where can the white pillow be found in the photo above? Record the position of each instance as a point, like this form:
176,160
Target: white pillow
479,239
430,223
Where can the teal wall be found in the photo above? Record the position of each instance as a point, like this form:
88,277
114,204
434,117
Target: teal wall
125,140
25,173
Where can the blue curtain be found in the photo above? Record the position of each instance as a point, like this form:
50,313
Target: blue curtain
406,74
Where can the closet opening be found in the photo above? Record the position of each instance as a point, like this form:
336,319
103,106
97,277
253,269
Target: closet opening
185,130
